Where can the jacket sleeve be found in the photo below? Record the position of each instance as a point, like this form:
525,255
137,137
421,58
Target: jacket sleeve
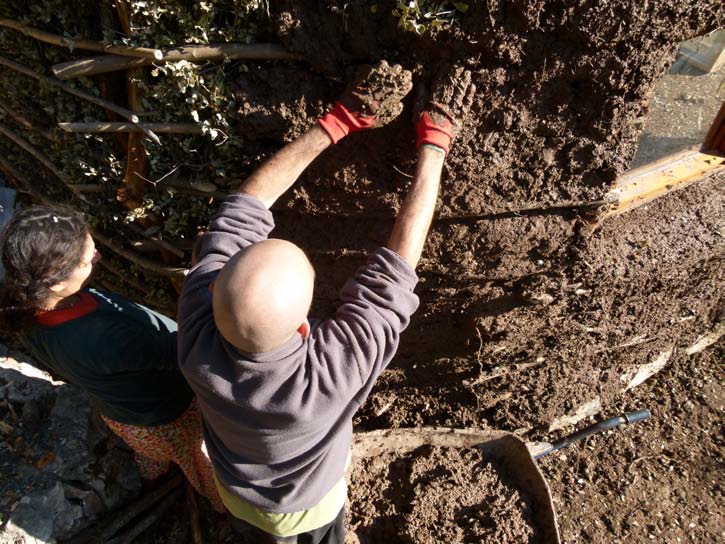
353,348
242,220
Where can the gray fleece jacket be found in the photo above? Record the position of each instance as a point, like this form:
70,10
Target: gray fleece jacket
278,425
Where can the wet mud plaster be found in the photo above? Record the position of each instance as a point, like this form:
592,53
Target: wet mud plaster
522,319
559,87
436,494
520,354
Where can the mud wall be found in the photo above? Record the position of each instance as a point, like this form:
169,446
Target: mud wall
522,317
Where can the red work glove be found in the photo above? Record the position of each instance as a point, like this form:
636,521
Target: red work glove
438,134
339,122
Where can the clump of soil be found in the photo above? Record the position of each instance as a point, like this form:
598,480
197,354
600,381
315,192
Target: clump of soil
378,92
451,97
436,494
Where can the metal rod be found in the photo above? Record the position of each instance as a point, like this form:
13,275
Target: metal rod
611,423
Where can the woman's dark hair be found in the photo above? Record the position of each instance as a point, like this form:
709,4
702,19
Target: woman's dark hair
41,246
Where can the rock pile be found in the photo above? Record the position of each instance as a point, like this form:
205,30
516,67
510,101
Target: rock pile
60,468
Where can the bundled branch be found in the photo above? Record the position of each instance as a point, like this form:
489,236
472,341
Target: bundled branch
191,53
80,43
42,159
142,505
106,104
22,121
148,521
101,127
141,262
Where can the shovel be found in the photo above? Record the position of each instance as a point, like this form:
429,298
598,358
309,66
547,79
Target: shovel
509,452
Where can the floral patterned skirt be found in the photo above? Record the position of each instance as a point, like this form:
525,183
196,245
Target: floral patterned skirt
180,442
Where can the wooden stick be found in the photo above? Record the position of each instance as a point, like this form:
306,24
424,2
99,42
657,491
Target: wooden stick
137,163
80,43
101,127
153,517
142,262
191,53
156,241
141,505
12,172
22,121
123,112
193,515
123,277
17,140
659,178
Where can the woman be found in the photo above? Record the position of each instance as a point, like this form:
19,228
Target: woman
121,353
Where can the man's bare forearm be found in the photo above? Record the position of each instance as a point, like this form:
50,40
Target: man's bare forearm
279,172
414,218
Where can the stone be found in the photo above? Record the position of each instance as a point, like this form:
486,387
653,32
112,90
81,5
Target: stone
60,458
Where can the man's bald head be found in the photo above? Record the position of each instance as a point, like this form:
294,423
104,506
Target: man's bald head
262,295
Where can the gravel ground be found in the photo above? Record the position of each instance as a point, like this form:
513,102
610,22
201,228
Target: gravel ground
680,113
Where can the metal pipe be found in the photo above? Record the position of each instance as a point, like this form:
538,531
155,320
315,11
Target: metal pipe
611,423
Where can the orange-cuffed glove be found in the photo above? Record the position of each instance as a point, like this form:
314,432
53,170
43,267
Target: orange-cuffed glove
339,122
435,133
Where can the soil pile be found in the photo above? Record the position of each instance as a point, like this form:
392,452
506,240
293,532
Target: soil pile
436,494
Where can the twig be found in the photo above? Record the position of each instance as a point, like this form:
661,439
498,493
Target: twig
183,188
155,515
80,43
399,171
19,119
89,187
529,210
104,127
194,515
45,161
142,262
107,104
191,53
156,241
143,504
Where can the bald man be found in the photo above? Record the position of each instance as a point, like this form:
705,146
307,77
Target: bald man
278,391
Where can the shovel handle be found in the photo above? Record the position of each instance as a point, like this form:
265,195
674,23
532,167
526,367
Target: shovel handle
611,423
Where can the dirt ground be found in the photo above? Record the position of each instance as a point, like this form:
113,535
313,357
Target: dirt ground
657,481
433,495
680,113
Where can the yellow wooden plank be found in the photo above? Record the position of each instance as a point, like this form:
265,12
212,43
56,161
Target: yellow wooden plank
654,180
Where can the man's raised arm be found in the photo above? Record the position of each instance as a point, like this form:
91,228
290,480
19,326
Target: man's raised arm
437,125
359,108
